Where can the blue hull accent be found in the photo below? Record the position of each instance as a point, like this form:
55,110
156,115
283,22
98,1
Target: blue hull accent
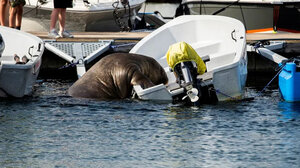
289,83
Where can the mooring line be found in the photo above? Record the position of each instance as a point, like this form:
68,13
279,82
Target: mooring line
280,70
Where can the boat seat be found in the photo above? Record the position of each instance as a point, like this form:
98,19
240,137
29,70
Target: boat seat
7,62
6,58
219,60
206,76
206,48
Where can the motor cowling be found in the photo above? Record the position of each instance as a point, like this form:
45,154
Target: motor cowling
186,65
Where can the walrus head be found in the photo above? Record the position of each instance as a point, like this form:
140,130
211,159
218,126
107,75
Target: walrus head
151,69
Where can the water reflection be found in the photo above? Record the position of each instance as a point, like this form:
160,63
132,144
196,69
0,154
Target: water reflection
289,111
54,130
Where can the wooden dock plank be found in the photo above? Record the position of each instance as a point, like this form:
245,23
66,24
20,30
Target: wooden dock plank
95,36
273,36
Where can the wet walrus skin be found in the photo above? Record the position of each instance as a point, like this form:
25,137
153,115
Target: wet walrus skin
113,77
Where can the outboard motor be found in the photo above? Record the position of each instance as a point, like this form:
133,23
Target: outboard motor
186,73
2,45
187,65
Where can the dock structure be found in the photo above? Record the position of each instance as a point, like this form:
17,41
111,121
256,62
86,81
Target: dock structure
96,36
87,46
255,63
292,39
136,36
289,37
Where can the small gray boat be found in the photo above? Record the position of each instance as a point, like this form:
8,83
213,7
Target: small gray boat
20,62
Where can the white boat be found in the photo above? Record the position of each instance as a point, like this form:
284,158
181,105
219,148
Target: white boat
86,15
256,15
17,80
220,41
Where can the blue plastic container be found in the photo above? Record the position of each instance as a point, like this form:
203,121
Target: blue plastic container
289,82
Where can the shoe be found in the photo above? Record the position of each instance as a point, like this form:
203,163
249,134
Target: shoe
65,34
16,58
24,59
53,34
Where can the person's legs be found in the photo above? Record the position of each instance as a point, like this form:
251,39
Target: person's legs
12,17
62,19
19,17
62,23
3,4
59,13
54,16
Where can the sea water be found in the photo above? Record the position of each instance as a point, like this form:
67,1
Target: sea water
53,130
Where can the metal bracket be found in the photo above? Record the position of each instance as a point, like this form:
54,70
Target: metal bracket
80,53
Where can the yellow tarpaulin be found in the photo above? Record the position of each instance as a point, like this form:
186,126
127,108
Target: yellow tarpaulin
182,52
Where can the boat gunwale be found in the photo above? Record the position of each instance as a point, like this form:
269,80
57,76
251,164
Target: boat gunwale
33,60
234,63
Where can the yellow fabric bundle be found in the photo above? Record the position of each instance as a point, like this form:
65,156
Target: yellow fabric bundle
182,52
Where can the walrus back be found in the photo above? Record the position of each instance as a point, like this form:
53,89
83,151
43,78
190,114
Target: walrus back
111,77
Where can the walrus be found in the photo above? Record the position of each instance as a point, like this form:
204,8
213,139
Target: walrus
113,77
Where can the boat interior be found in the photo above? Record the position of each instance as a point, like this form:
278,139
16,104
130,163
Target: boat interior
18,46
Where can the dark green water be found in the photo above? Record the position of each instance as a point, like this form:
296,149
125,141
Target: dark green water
53,130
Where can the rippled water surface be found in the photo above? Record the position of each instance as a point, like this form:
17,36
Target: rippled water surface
51,129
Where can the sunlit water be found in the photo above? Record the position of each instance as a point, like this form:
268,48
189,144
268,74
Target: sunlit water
53,130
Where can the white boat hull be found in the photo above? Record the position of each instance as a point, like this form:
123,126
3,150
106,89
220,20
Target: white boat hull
221,39
257,15
17,80
99,17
